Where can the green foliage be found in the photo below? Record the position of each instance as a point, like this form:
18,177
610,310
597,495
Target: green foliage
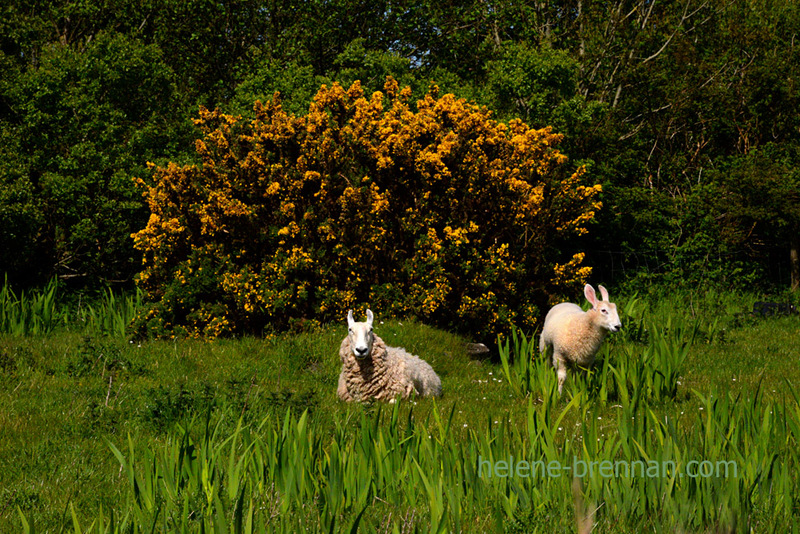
35,313
691,98
112,314
42,311
101,358
84,123
659,100
295,82
532,82
758,199
371,67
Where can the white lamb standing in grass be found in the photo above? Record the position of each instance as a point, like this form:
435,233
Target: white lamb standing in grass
576,335
371,370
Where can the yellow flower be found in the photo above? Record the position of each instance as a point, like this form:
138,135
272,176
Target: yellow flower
448,214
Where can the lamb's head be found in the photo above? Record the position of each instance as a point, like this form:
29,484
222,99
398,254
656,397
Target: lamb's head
606,315
361,336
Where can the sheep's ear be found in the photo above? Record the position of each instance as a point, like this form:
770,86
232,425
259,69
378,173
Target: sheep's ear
603,293
350,319
588,292
370,318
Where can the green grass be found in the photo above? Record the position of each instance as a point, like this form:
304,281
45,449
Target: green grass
41,312
103,435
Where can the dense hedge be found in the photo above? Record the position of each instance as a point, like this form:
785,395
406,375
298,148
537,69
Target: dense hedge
84,122
438,212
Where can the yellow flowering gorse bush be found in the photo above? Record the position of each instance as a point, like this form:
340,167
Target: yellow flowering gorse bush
435,211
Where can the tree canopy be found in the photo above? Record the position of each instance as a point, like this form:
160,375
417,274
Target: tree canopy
683,110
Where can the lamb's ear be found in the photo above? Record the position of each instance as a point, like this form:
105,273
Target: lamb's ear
588,292
603,293
350,319
370,318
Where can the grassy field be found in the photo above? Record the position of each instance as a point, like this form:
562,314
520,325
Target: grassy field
689,422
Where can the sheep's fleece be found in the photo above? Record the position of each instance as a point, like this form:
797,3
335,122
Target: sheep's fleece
384,374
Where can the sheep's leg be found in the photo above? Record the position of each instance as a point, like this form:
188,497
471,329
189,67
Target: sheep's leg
342,389
561,371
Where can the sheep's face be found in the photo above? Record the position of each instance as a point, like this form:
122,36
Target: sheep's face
608,317
361,336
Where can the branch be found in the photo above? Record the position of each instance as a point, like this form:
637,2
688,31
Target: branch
632,132
684,17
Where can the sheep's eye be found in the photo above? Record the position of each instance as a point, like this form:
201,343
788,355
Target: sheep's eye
604,311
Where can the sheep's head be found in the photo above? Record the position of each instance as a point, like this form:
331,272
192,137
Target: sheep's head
607,316
361,336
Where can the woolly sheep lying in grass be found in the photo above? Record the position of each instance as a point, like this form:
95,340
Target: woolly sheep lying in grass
371,370
576,335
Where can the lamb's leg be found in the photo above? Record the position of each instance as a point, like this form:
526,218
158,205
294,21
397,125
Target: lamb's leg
561,371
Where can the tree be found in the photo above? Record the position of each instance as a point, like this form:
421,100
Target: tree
82,125
758,200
